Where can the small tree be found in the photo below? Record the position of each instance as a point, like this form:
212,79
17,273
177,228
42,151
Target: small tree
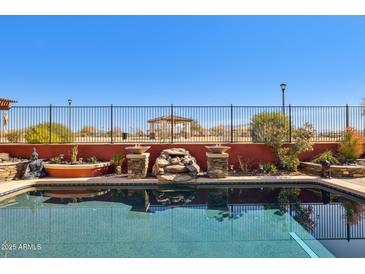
40,133
270,128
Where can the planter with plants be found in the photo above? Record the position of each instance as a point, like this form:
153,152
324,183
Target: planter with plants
345,161
76,167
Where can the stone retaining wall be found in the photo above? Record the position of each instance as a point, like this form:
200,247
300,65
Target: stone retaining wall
12,171
356,171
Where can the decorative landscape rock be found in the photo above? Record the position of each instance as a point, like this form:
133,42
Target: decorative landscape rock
12,170
175,165
176,168
137,165
4,157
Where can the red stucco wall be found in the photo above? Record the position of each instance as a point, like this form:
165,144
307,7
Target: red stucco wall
257,153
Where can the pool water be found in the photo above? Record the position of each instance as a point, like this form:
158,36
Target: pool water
184,223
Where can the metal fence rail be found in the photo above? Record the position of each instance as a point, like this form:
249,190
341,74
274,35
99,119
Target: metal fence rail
169,124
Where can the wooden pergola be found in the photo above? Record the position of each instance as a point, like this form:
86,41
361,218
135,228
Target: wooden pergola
5,104
161,126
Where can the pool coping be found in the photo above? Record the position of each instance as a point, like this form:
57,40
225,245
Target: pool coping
342,185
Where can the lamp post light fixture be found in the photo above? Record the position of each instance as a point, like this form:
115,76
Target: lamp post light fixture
283,88
69,112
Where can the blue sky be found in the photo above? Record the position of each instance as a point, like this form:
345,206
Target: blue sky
184,60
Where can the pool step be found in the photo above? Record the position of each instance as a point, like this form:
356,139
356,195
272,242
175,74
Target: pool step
303,245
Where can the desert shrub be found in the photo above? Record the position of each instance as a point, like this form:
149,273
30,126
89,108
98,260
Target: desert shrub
117,160
326,156
289,156
268,168
289,162
93,160
351,147
87,131
14,136
270,128
246,165
56,160
117,132
218,130
40,133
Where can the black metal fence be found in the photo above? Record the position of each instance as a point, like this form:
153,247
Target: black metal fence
170,124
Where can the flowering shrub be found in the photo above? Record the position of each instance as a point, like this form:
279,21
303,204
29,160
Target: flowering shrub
351,147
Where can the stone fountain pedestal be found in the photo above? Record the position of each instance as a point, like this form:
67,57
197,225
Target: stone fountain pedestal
217,164
137,165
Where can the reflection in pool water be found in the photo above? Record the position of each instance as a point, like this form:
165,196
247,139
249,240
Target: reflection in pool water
230,222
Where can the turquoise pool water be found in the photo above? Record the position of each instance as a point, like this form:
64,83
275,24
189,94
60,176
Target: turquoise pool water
229,223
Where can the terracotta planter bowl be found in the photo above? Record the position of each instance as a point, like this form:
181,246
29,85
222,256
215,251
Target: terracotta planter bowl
137,150
218,149
77,171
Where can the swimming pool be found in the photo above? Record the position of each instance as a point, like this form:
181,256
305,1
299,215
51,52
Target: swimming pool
239,222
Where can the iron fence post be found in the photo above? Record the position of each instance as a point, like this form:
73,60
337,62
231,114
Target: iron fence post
232,123
50,124
172,123
347,116
111,123
290,123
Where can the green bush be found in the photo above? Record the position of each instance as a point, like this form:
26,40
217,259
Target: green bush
267,168
40,133
117,160
14,136
56,160
326,156
92,160
290,162
289,157
270,128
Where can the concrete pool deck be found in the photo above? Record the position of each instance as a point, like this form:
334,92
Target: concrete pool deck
350,186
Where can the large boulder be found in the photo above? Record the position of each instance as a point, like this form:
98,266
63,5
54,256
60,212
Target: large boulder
174,178
175,165
176,169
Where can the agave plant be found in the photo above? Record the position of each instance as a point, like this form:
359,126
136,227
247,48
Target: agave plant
117,162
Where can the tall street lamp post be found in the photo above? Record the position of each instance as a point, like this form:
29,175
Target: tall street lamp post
283,88
69,112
